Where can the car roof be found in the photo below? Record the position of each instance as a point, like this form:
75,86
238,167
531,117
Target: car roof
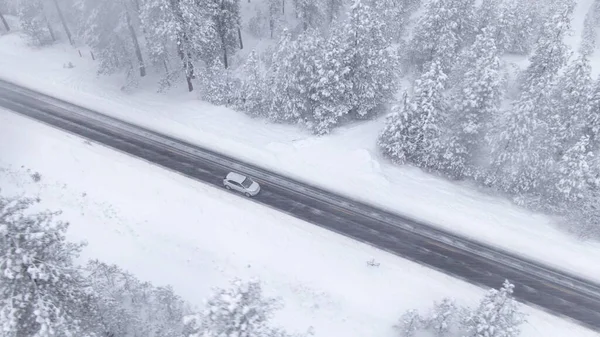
235,177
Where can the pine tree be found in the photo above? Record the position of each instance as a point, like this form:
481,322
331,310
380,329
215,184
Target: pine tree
519,25
219,86
107,27
570,103
394,14
309,12
274,9
441,32
373,65
239,311
487,14
333,8
443,318
279,82
227,21
589,35
302,72
410,323
40,287
575,172
332,87
415,131
583,216
496,316
476,100
253,91
34,22
182,28
125,306
592,118
519,149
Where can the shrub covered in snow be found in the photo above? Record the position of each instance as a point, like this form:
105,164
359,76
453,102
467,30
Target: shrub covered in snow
41,290
497,315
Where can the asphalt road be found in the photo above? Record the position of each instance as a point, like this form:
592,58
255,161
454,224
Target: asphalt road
550,289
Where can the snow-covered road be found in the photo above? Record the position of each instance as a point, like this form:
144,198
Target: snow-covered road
170,230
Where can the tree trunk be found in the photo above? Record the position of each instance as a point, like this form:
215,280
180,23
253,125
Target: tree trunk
4,22
184,55
188,66
189,83
137,5
240,37
138,52
50,30
63,21
283,7
225,63
221,30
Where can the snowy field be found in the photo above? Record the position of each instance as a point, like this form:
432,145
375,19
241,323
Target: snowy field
346,161
168,229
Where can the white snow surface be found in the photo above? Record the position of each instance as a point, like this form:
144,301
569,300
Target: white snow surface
168,229
346,161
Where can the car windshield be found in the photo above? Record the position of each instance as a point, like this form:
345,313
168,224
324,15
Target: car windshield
247,182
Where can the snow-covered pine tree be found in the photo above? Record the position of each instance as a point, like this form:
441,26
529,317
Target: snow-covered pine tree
575,172
519,26
497,315
108,28
252,89
41,289
278,79
487,14
106,298
305,55
332,87
332,9
241,311
441,32
520,151
182,28
589,34
274,10
394,14
416,130
34,22
124,306
592,118
373,64
476,100
309,12
227,21
219,86
570,103
443,319
409,323
583,216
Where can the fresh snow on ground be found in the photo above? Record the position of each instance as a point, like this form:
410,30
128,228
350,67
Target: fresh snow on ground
168,229
346,161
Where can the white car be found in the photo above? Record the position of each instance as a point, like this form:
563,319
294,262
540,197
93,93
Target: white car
237,182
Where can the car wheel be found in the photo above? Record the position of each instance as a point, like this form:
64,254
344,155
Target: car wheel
227,187
247,194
